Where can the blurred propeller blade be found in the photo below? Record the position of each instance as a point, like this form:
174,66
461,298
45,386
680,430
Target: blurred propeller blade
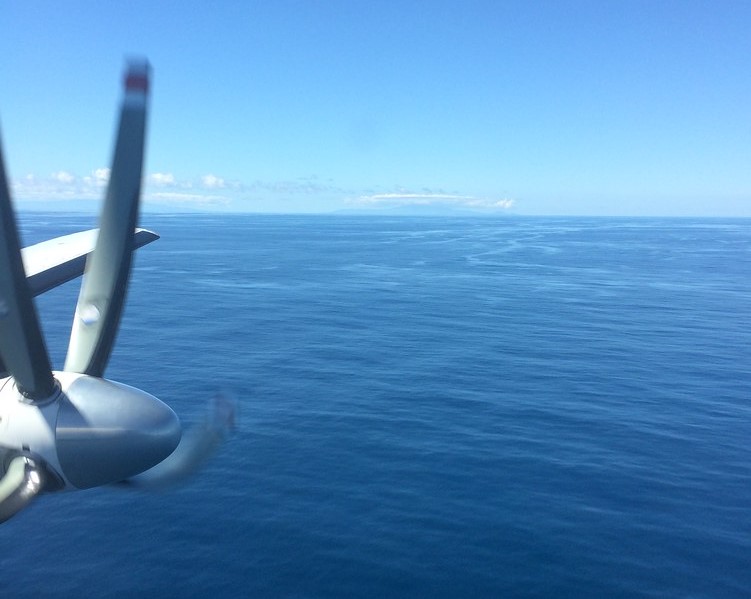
21,343
105,281
197,445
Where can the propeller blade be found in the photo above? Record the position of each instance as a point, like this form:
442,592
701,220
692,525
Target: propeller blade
105,281
197,445
22,347
22,481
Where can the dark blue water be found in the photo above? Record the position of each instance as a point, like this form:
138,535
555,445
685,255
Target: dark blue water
428,407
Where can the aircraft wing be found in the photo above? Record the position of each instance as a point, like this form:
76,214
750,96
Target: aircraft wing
59,260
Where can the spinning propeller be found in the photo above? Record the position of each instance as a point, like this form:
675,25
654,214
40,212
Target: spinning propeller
74,429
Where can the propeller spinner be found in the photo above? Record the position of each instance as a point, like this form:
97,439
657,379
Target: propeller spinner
74,429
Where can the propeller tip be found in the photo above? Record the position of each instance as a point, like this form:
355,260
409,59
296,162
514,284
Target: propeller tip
137,76
223,410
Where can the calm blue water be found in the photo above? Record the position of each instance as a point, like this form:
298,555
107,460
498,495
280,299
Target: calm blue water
429,407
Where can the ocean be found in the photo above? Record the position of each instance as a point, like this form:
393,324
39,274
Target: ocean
428,407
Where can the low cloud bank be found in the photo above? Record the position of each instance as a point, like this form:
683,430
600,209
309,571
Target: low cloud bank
396,200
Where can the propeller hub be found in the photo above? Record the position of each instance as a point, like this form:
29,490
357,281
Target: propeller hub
107,432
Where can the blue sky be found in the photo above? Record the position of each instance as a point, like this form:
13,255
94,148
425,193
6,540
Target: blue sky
583,107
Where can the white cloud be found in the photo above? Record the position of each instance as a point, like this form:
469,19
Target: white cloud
303,193
504,204
195,199
63,177
97,179
430,199
162,179
165,188
304,186
212,181
160,187
60,185
101,176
